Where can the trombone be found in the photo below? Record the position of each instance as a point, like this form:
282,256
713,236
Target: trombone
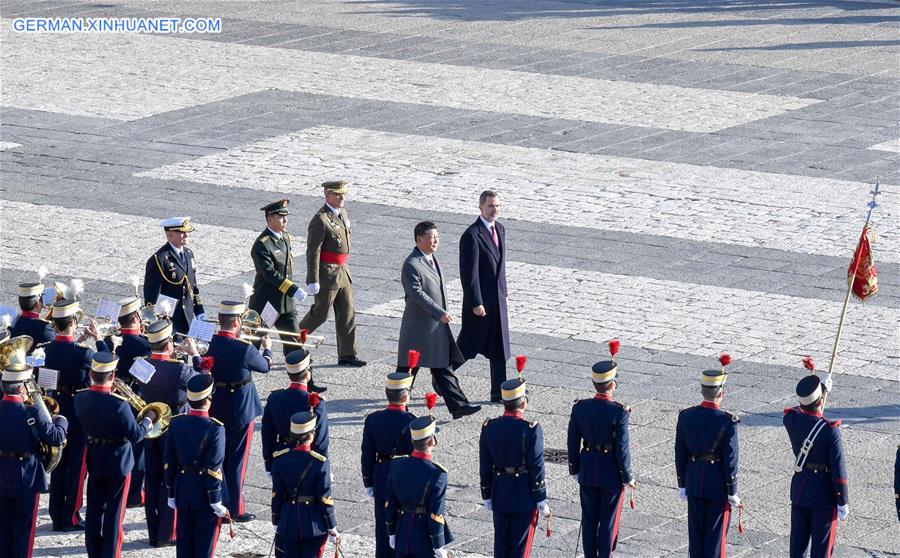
253,325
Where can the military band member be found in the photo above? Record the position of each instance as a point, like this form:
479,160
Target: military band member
236,402
195,450
133,345
282,404
416,490
385,436
511,457
600,460
73,362
168,385
29,321
819,485
111,430
706,463
22,477
302,506
328,272
171,272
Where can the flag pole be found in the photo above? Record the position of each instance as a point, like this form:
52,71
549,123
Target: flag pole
872,205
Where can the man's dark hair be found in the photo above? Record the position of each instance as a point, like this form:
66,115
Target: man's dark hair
421,445
159,346
485,195
198,404
395,396
812,407
422,228
62,323
28,303
298,376
603,387
303,439
125,321
227,321
10,388
512,405
711,392
100,377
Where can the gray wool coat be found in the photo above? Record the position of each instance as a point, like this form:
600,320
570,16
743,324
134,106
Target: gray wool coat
421,328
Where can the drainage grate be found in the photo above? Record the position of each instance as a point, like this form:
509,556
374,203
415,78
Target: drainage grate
556,455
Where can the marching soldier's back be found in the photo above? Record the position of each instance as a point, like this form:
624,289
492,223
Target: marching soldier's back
823,480
109,423
512,463
598,443
706,452
302,506
194,454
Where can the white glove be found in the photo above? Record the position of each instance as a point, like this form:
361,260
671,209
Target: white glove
545,509
269,474
843,511
392,541
170,502
201,317
312,288
275,528
489,505
735,501
682,493
440,553
219,509
332,477
574,477
370,491
299,295
826,382
333,536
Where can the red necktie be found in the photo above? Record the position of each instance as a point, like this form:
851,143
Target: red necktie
494,235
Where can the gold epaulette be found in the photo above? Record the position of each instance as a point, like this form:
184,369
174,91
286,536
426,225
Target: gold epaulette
217,421
280,452
441,467
263,238
318,456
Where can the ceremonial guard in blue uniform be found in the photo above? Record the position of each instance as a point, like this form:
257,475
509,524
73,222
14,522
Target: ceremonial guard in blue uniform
282,404
819,486
600,459
195,450
706,463
302,507
171,272
511,457
167,385
111,429
236,402
73,362
132,344
416,489
22,477
385,436
29,320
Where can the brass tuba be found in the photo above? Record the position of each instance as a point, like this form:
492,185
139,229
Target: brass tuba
163,412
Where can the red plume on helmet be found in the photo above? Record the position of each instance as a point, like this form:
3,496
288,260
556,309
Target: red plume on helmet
412,359
808,364
724,360
520,364
304,335
206,364
613,347
430,400
313,400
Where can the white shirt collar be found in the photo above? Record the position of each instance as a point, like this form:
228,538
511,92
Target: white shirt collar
277,235
337,212
486,223
176,250
428,257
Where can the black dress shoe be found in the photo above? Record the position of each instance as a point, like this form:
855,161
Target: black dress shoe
245,517
71,528
161,544
316,389
496,400
352,361
466,411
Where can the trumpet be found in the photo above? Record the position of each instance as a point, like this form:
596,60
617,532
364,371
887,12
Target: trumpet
181,353
163,412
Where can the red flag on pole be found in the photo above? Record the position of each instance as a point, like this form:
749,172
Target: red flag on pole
861,273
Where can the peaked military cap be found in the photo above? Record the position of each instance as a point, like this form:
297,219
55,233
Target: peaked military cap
159,330
179,224
303,422
297,361
200,387
809,389
65,307
423,427
30,289
129,305
399,380
280,207
512,389
335,186
232,308
104,363
604,371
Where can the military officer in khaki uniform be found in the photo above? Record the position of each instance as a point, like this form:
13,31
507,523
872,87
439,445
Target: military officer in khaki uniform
328,272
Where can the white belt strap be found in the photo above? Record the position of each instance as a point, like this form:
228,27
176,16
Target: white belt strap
808,444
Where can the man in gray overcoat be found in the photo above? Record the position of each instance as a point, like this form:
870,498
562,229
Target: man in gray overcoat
426,323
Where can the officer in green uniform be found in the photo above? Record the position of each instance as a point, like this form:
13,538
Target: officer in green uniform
328,272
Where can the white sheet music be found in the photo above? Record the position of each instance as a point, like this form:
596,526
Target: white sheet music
269,315
108,309
48,295
47,378
165,305
142,370
202,330
8,311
